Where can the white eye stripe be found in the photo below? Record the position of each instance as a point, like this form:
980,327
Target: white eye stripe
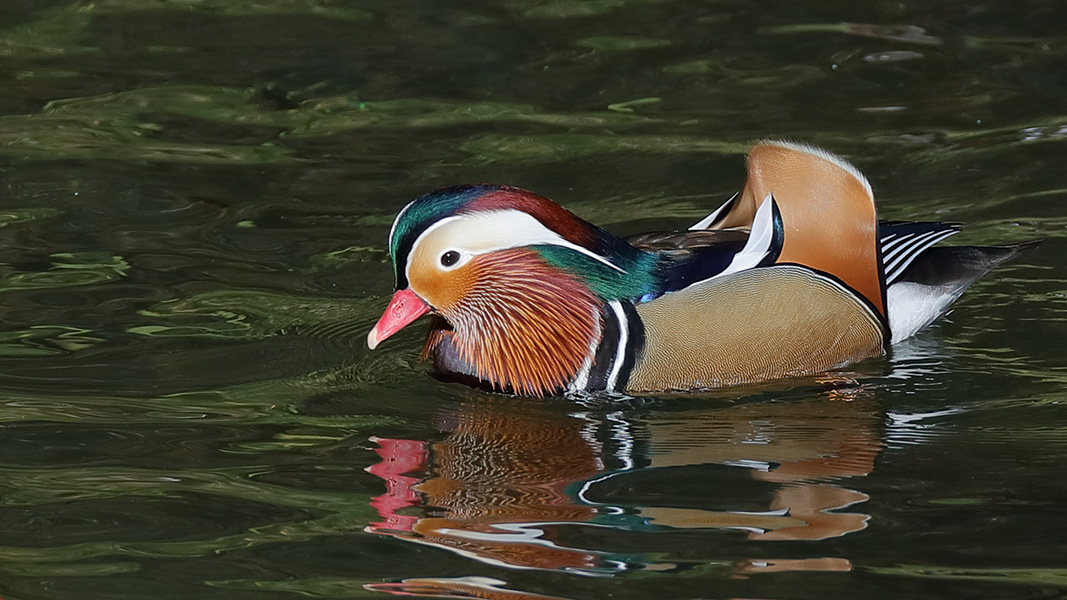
415,245
480,233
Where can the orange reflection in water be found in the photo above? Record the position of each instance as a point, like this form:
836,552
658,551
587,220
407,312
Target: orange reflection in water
510,475
800,445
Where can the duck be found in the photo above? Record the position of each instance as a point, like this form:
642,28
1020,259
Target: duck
792,276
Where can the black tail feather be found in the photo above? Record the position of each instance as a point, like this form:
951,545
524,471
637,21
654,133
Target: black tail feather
936,277
960,265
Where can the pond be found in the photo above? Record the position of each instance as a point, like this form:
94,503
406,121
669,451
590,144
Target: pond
196,200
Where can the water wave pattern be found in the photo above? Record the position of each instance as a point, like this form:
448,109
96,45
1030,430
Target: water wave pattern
196,196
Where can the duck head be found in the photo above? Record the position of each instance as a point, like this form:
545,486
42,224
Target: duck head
517,282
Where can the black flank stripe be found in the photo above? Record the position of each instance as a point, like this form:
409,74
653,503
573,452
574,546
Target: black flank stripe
777,236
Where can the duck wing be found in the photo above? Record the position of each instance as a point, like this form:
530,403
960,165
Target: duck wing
827,208
691,257
681,241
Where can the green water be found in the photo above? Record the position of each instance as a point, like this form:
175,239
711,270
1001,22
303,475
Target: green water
194,202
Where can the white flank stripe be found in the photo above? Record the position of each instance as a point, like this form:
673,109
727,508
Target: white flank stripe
581,381
620,352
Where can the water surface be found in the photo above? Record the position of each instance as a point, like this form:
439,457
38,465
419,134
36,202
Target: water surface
196,199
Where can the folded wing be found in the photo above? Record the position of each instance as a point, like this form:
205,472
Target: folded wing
827,209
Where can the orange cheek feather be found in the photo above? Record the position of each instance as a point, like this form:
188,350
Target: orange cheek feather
442,290
517,322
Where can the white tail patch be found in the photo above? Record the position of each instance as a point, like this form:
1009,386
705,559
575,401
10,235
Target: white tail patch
913,306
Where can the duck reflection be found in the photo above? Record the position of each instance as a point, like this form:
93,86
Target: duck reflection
494,484
800,446
546,486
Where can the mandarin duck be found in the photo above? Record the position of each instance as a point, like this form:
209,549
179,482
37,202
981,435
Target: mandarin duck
792,276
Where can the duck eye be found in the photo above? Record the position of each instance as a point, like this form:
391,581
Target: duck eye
449,258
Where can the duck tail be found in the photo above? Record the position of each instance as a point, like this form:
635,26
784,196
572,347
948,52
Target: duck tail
936,278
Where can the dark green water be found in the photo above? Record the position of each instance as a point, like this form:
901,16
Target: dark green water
194,201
